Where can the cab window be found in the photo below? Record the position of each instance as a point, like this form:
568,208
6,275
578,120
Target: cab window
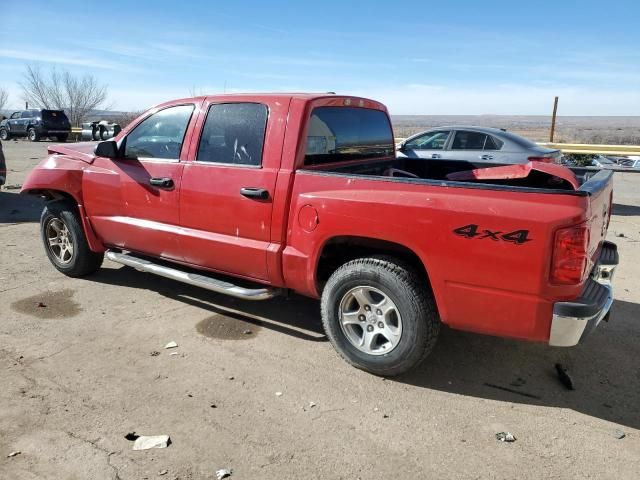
160,135
233,134
429,141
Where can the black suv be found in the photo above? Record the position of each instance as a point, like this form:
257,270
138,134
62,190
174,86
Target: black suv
35,124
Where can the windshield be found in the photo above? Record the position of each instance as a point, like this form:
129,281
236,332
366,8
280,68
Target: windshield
347,133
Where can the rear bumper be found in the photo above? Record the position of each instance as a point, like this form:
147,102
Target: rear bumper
573,321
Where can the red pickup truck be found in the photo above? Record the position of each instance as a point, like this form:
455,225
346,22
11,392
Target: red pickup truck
256,195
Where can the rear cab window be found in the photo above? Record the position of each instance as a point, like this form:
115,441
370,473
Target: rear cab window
338,134
54,116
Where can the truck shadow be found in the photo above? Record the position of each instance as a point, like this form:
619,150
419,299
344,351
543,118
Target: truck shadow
295,315
605,369
625,210
16,208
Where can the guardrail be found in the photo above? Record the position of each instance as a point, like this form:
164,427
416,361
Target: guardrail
584,148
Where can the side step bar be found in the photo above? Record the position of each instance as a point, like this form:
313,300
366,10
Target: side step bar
195,279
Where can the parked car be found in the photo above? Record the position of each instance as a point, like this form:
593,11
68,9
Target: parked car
295,192
36,124
603,162
3,167
630,162
477,145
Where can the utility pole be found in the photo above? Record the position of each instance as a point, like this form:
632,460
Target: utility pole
553,119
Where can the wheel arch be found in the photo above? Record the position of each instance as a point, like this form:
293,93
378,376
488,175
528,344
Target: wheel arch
52,195
338,250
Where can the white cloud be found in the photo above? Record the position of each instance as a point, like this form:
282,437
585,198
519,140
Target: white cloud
54,57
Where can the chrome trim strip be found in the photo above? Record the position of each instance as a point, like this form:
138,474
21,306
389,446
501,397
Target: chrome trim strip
202,281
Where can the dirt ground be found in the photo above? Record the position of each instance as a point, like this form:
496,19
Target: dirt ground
83,363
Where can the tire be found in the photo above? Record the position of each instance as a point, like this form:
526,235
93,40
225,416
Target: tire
4,134
32,135
61,216
416,326
62,138
104,133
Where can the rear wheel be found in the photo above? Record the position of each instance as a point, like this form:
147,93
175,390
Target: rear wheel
4,134
65,242
379,315
62,138
32,135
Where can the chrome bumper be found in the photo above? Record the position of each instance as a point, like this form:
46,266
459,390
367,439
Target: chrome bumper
573,321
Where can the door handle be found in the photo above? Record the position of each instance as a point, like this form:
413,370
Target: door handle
253,192
436,155
486,157
163,182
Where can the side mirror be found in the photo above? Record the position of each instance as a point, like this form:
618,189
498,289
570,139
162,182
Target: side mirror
400,147
108,149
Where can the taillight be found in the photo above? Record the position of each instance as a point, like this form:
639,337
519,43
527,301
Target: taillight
542,159
570,257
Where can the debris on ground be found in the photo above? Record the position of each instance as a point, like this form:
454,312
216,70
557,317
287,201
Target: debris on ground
563,376
505,437
511,390
518,382
278,394
13,454
619,435
223,473
171,345
213,405
385,415
132,436
41,305
152,441
155,353
173,354
247,332
312,404
621,235
163,472
231,377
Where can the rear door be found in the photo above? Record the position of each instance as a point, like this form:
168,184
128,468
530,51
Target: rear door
428,145
477,147
133,201
25,119
228,187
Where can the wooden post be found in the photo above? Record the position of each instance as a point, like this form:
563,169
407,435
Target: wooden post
553,119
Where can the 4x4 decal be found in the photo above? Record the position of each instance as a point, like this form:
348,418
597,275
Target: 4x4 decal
474,231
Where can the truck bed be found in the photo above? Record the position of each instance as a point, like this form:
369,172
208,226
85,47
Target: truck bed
438,171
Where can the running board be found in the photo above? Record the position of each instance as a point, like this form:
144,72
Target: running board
195,279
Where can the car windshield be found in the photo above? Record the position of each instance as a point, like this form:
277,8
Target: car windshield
345,133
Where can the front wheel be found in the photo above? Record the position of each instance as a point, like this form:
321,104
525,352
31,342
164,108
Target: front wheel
379,315
65,242
4,134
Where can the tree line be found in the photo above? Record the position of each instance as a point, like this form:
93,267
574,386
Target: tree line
57,89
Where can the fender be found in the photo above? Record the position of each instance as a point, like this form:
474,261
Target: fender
60,176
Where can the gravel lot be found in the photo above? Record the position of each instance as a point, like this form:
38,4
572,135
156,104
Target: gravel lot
82,363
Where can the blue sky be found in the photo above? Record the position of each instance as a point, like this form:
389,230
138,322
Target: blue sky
418,57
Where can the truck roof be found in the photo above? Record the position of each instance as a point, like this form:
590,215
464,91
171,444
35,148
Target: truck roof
304,96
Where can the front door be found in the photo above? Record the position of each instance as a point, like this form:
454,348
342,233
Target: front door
133,201
430,145
228,188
